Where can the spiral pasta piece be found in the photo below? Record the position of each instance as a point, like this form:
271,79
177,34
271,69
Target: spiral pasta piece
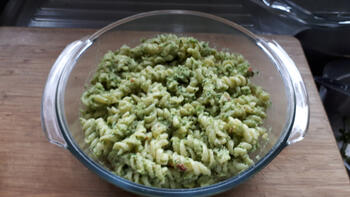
155,148
185,163
145,167
134,141
225,83
214,130
237,127
193,148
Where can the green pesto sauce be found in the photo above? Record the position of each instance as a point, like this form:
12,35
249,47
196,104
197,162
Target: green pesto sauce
174,113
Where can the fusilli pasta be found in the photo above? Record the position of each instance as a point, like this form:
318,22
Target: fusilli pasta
173,112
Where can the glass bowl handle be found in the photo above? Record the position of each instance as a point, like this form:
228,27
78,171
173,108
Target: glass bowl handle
49,119
302,109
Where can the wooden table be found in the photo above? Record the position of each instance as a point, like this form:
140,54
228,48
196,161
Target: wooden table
31,166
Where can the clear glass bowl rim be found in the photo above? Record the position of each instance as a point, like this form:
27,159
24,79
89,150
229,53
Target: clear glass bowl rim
145,190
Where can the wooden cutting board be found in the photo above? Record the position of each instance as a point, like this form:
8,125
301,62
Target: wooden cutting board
31,166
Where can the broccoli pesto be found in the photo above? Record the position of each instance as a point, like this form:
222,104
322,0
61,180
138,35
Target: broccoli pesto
174,113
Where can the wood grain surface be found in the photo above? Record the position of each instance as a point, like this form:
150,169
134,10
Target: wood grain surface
31,166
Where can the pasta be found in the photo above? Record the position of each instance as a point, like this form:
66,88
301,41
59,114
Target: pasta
174,113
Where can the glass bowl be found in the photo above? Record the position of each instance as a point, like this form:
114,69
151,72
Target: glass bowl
287,117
